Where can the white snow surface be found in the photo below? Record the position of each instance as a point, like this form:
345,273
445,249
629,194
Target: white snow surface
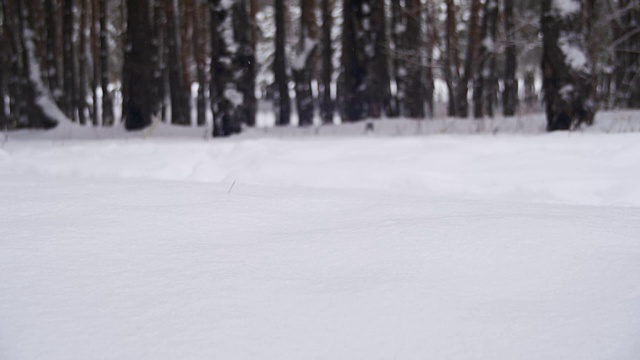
355,247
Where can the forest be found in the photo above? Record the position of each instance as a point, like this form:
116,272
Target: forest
216,63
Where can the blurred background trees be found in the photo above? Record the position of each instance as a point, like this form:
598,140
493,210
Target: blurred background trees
217,62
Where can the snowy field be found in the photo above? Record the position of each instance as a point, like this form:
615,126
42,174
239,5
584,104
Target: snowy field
487,246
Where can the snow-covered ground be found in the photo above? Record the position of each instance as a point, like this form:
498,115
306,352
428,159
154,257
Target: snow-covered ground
352,247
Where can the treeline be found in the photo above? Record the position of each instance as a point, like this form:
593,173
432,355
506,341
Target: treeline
99,61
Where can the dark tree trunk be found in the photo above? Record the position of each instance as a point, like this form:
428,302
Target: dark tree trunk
398,30
95,59
69,95
365,77
510,94
253,13
245,63
430,43
379,84
452,57
39,110
140,102
230,51
326,102
52,45
566,77
413,99
81,93
353,71
180,112
199,48
305,61
159,50
470,60
282,104
484,80
627,54
4,63
107,102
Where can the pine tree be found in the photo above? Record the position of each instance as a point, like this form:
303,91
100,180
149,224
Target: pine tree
305,61
565,68
451,58
510,94
199,50
107,102
230,55
180,111
627,54
281,98
365,78
471,58
485,79
413,99
140,103
326,77
69,96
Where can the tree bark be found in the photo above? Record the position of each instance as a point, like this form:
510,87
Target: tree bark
484,79
199,47
566,77
510,94
413,99
38,110
230,47
81,93
180,112
140,102
51,56
282,101
462,90
304,64
69,95
627,54
326,76
452,57
107,102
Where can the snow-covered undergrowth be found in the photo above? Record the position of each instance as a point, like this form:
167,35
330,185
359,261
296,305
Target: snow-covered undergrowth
358,247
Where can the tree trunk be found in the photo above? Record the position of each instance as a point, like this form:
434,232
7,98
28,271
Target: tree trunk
81,93
413,99
379,76
282,104
107,102
566,77
430,43
470,60
69,95
326,76
452,57
180,112
484,79
95,59
510,94
365,84
230,44
51,56
245,63
4,63
39,109
140,102
304,63
199,48
627,54
398,30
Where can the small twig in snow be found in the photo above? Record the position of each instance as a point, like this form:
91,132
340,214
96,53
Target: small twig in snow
231,188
